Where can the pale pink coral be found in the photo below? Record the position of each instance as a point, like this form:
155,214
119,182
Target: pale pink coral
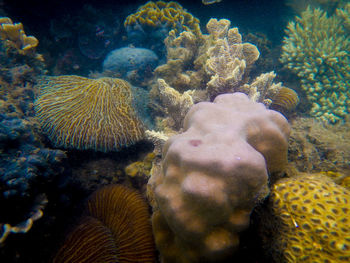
213,175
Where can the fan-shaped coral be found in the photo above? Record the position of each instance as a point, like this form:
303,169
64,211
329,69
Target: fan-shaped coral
83,113
90,241
117,226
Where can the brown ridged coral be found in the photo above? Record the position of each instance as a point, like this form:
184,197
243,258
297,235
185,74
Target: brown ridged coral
286,98
119,218
82,113
14,37
172,14
310,218
90,241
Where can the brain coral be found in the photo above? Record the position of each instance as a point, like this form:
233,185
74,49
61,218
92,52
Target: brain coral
83,113
116,229
212,176
317,48
310,220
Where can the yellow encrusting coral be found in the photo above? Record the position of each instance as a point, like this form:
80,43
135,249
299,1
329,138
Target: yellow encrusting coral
14,37
82,113
311,220
141,168
170,14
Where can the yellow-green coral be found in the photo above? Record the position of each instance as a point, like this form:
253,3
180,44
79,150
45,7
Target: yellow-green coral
82,113
141,168
317,49
312,220
169,14
14,37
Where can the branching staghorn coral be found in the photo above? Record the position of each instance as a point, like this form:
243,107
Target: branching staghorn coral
317,49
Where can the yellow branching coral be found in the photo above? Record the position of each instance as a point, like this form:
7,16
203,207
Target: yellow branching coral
186,56
311,220
169,14
177,104
262,89
14,37
317,49
83,113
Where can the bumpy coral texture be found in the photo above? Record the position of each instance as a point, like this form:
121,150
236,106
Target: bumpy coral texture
317,49
162,15
314,147
311,220
83,113
135,65
27,167
213,175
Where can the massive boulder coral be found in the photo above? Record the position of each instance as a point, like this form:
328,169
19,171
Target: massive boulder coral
212,176
82,113
317,48
308,220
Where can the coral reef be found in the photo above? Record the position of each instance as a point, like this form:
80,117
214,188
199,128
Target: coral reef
14,37
27,167
212,176
135,65
141,168
314,147
176,104
262,89
82,113
309,220
327,5
316,48
151,23
117,223
91,241
207,65
228,58
186,56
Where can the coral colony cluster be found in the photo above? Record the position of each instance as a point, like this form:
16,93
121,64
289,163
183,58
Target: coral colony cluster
220,141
